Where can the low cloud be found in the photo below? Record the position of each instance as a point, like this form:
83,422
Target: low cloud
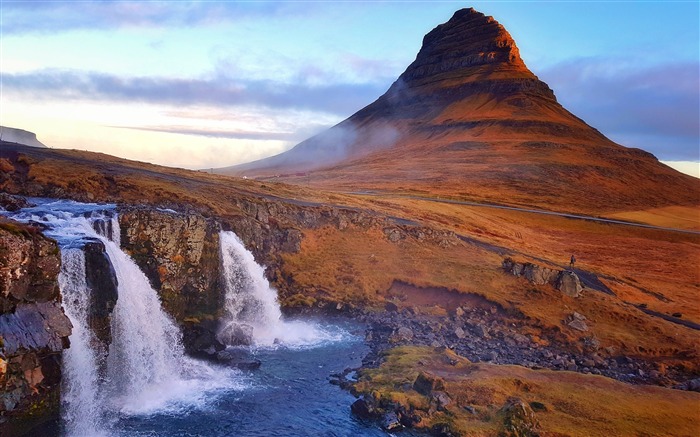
228,134
336,98
656,108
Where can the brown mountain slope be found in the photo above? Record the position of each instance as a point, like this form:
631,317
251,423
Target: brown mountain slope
467,119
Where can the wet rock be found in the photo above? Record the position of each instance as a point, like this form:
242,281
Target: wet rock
365,407
237,358
101,279
200,340
391,422
33,330
236,334
391,307
180,255
13,203
426,383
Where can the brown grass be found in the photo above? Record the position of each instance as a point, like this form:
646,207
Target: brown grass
576,404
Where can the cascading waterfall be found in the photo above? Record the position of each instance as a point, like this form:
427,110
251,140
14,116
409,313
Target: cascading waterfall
146,369
251,303
82,406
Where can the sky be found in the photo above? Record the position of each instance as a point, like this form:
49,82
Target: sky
208,84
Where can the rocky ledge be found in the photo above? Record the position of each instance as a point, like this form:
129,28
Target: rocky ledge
33,329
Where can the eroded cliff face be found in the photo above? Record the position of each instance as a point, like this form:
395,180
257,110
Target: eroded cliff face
179,253
34,329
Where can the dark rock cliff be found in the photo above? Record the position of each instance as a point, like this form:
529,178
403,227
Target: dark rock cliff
33,329
179,253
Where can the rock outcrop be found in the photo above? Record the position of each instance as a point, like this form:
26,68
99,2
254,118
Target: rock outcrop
179,253
101,279
33,329
565,281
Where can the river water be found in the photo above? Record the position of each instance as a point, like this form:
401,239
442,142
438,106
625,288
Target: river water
289,395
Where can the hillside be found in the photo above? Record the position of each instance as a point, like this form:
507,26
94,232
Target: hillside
468,119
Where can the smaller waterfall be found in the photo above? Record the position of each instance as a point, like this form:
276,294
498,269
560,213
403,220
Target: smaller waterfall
252,309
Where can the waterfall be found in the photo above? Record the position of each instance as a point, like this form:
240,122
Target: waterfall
252,311
146,370
81,403
146,349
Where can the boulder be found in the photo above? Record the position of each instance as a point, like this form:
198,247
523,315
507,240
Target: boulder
391,422
200,340
577,321
236,334
539,275
518,419
426,383
365,407
440,400
569,284
403,334
13,203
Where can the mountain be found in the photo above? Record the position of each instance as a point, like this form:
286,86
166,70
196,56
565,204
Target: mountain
468,119
19,136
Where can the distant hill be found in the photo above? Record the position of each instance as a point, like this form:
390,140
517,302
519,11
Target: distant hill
19,136
468,119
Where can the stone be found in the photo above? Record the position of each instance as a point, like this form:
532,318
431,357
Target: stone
569,284
364,407
391,422
519,419
459,332
426,383
539,275
403,334
236,334
13,203
440,399
577,321
690,385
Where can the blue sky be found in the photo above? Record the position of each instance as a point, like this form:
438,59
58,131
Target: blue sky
214,83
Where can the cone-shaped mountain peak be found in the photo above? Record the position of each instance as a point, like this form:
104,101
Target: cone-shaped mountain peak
469,39
468,119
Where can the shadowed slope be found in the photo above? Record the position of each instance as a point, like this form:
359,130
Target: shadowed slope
469,120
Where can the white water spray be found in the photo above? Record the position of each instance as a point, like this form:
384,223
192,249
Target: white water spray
82,406
252,303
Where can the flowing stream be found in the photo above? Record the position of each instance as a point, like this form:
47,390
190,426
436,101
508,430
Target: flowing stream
144,384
